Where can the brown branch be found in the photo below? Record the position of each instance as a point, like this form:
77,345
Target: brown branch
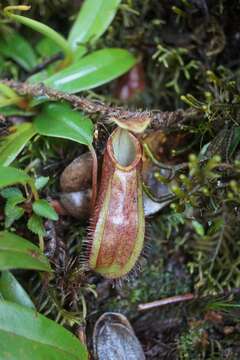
159,119
46,62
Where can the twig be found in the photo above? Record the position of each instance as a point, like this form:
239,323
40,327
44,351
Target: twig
46,62
159,119
185,297
166,301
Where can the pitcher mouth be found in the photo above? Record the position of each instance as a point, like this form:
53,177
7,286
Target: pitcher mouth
124,149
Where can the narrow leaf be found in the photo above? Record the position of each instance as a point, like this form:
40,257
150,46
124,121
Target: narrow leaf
47,47
17,252
43,208
92,70
60,120
235,141
12,291
27,335
38,77
92,21
39,27
15,142
15,47
13,110
198,228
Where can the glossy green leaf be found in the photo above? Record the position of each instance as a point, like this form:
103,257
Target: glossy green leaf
47,47
12,291
10,176
42,208
92,21
13,144
60,120
15,47
79,52
92,70
38,77
13,110
28,335
19,253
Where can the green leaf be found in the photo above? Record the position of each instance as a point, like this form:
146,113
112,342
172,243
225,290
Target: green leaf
2,64
15,47
27,335
38,77
41,181
12,192
92,70
14,197
11,290
47,47
92,21
13,110
12,213
10,176
35,224
198,228
43,208
235,141
60,120
14,143
41,28
17,252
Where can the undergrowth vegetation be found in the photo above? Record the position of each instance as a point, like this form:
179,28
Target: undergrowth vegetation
185,55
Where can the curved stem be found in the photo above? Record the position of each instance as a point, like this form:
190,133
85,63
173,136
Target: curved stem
150,155
36,197
41,28
172,168
34,190
161,199
84,307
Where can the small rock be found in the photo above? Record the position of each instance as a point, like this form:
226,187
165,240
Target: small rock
78,174
77,204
